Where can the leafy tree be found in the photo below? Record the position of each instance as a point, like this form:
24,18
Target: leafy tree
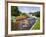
37,14
24,14
15,11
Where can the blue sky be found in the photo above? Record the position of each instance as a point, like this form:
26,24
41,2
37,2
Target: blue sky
28,9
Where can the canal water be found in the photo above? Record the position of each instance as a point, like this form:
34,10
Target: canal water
26,26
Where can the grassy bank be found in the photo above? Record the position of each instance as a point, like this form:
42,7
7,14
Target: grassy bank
36,26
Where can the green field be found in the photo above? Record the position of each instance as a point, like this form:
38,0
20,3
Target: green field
36,26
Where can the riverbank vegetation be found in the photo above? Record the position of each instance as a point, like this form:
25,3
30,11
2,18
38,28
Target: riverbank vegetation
36,26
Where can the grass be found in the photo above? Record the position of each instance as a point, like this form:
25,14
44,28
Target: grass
36,26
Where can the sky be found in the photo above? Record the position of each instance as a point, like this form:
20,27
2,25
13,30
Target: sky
28,9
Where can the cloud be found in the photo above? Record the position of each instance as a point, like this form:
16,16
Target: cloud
28,9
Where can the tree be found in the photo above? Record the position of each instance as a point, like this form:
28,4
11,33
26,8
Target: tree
15,11
37,14
24,14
